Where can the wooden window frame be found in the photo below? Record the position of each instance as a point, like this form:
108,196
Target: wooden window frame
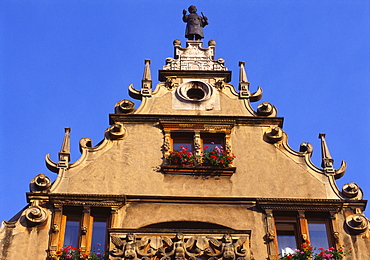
301,220
86,216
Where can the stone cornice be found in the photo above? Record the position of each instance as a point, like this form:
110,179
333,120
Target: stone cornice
107,200
163,74
196,119
95,200
307,204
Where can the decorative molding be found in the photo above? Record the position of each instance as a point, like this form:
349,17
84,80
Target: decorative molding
88,200
236,120
299,204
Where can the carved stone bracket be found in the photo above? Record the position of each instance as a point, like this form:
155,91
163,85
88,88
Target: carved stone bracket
270,234
179,246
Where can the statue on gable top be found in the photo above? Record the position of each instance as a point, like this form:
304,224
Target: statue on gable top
195,23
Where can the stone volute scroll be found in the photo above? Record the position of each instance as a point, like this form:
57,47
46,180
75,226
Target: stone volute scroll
41,183
357,223
35,215
352,191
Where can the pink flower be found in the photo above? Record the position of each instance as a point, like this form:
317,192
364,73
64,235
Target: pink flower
68,256
98,244
98,254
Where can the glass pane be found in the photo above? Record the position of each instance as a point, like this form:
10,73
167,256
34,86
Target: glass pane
212,140
180,145
99,234
286,237
71,232
318,234
182,140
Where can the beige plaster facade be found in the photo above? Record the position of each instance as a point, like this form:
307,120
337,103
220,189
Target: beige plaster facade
179,211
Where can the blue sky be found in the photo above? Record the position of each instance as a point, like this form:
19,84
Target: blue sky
66,63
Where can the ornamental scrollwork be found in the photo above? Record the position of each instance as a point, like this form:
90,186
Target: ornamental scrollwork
41,183
357,223
181,247
35,215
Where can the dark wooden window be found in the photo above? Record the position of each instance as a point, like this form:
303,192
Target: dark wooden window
212,140
287,235
72,230
94,229
318,231
293,230
182,140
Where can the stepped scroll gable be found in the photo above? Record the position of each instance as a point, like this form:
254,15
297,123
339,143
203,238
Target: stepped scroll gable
193,173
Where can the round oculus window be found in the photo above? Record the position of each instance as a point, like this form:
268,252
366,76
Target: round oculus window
195,91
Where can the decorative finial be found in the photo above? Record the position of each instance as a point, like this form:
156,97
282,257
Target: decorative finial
327,161
195,23
243,81
146,83
244,85
64,154
242,74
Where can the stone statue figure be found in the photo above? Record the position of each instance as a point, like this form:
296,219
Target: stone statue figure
195,23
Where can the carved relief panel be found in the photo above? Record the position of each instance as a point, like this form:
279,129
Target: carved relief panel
180,246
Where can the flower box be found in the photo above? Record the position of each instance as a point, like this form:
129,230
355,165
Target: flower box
199,170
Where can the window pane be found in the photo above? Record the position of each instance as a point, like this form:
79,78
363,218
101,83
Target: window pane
99,234
212,140
318,234
286,236
71,232
182,140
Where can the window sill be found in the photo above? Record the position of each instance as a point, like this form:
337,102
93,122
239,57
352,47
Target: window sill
198,170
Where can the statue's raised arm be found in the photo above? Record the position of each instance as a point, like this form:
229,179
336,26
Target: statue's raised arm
195,23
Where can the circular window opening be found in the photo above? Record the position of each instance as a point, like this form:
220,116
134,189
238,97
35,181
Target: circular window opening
195,93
